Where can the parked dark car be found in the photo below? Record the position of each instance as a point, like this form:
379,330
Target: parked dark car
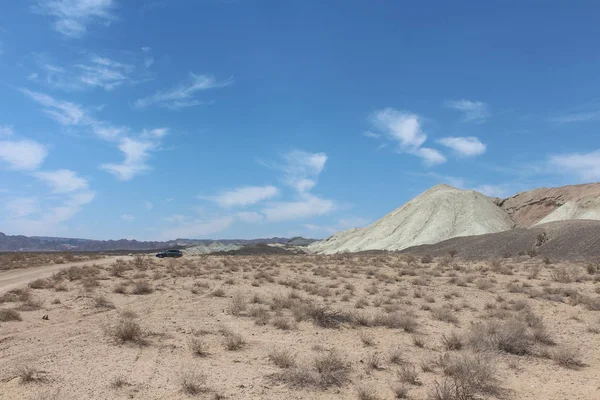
170,253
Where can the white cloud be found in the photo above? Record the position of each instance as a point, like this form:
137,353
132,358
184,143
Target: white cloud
128,217
62,180
49,221
198,229
176,218
308,206
244,196
104,73
136,154
22,206
73,16
6,130
585,166
301,169
250,217
401,126
474,111
155,133
464,146
22,154
181,96
430,156
405,129
63,112
149,206
148,59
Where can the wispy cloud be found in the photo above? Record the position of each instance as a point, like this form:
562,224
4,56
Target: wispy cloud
136,154
306,207
182,95
148,205
148,59
127,217
6,130
300,168
198,228
63,112
584,166
62,180
22,154
577,117
404,128
464,146
473,111
89,73
243,196
22,206
71,17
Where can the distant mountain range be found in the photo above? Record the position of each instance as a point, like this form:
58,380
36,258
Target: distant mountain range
43,243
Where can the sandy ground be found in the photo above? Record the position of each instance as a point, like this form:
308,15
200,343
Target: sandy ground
370,321
20,277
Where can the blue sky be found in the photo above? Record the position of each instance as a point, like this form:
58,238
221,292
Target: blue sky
242,119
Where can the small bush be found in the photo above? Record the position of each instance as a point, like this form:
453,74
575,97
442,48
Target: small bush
568,357
218,293
452,342
7,315
193,383
198,347
365,392
408,374
283,358
234,341
102,302
332,368
400,390
283,323
366,339
426,259
28,374
238,304
327,318
127,330
445,314
41,284
142,287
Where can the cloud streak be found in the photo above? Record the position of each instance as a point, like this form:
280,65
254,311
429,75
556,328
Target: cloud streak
473,111
243,196
22,154
71,17
464,146
181,96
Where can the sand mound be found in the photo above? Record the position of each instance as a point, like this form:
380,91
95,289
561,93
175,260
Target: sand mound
213,247
561,240
581,209
440,213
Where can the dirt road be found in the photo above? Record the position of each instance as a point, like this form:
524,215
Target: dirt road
19,277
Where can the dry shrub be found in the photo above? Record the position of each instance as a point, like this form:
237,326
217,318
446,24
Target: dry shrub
400,390
118,268
233,341
15,295
126,329
561,274
445,314
28,374
142,287
396,356
218,293
366,339
120,288
397,320
568,357
283,323
198,347
260,315
510,336
408,374
193,383
283,358
103,302
452,342
324,317
473,373
41,283
238,304
7,315
366,392
426,259
332,368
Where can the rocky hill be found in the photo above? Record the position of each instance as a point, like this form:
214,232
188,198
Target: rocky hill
444,212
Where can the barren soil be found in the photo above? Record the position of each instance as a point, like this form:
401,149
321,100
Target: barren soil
304,327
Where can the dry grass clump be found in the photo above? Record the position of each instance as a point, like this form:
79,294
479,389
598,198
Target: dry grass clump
28,374
326,370
238,305
452,341
325,317
510,336
7,315
408,374
283,358
366,339
127,329
42,283
15,295
103,302
142,287
400,390
198,347
194,383
468,375
284,323
445,314
119,381
366,392
397,320
568,357
233,341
